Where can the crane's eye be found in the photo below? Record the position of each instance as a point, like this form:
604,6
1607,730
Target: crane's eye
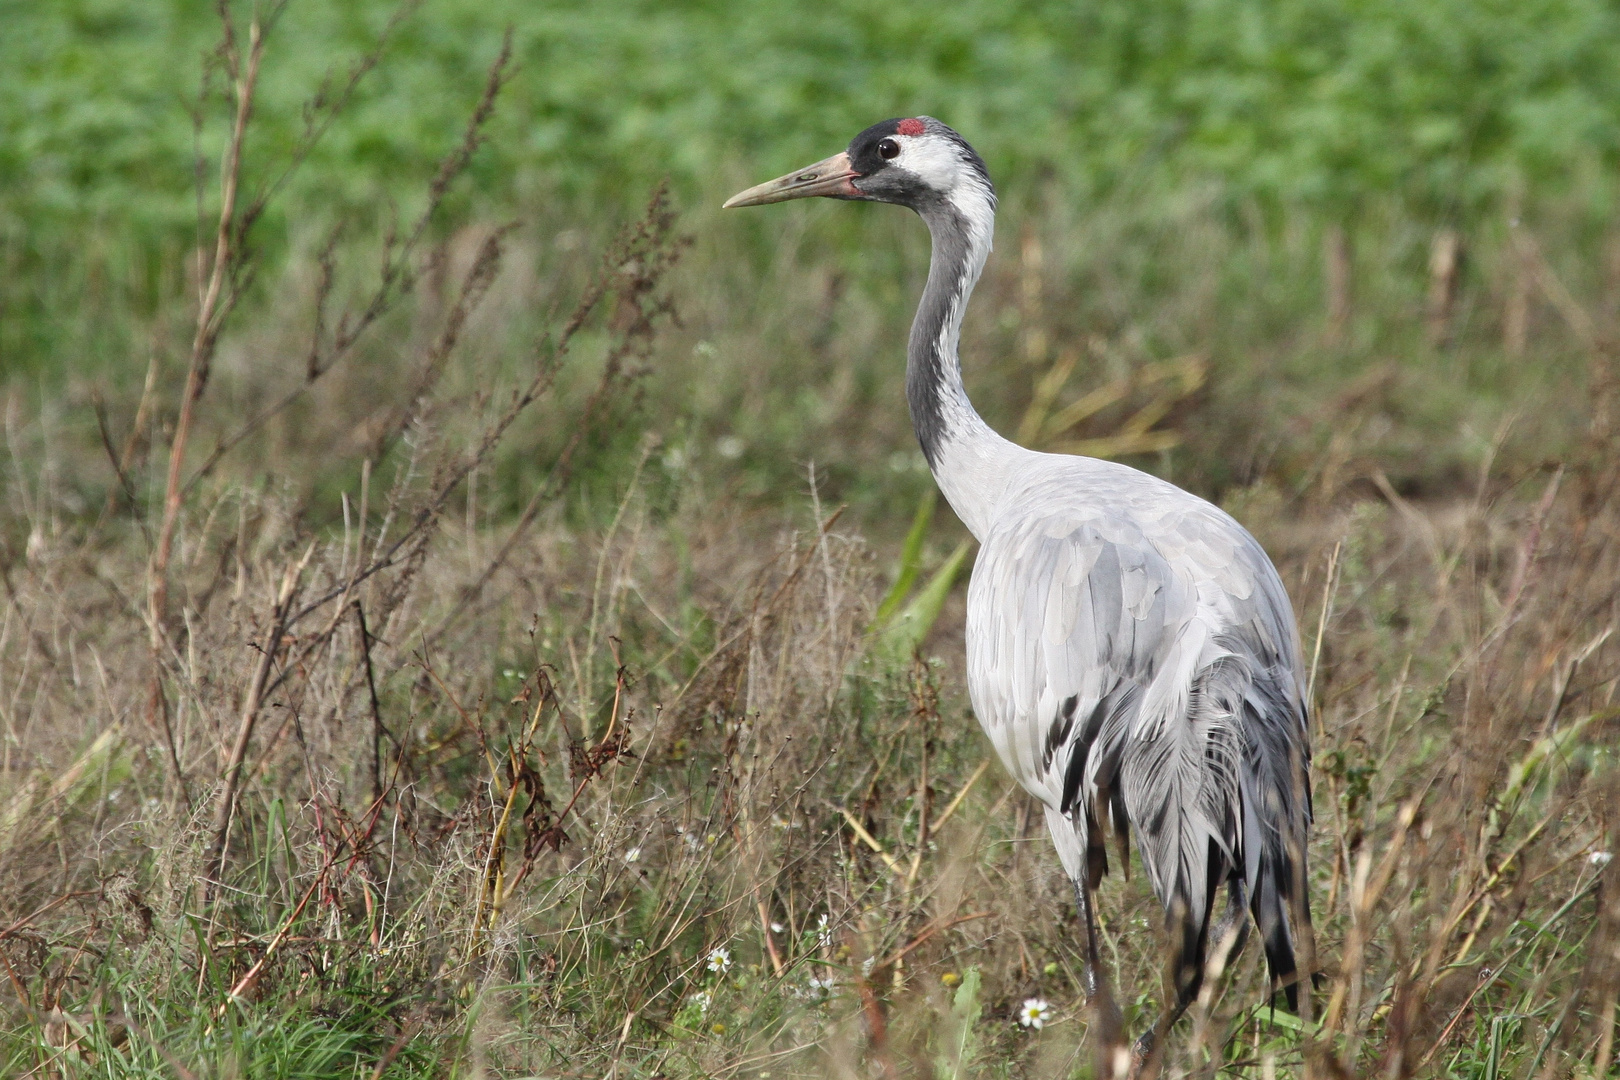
888,149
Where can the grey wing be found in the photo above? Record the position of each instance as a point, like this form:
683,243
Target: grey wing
1147,674
1068,623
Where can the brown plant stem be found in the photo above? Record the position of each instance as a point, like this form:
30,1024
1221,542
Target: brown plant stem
377,728
209,311
225,804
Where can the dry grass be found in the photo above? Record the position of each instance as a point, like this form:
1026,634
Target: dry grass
510,836
379,773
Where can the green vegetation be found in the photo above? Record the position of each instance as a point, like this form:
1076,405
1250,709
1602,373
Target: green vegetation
525,667
1215,178
1445,103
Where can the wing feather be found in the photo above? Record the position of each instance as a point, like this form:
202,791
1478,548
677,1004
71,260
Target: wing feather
1140,667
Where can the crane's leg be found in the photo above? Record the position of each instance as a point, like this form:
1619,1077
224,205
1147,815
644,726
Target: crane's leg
1228,936
1107,1023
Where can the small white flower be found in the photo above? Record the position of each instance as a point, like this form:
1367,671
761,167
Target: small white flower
776,928
821,986
866,965
1035,1013
720,961
730,447
703,999
633,855
823,932
1599,859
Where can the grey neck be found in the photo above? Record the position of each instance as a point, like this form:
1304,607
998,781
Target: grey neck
940,410
974,467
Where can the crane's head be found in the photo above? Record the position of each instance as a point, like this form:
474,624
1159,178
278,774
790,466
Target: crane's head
916,162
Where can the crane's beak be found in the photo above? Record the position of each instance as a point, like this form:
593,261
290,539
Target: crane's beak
831,177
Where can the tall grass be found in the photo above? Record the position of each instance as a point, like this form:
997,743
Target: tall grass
522,695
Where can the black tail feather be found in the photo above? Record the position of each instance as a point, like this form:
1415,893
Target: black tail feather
1270,907
1189,930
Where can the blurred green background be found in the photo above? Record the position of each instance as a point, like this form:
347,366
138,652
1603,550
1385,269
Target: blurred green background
1444,103
1181,165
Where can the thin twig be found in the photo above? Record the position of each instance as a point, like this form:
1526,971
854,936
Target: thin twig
927,932
395,280
251,976
1496,973
950,807
208,322
251,701
405,1036
377,726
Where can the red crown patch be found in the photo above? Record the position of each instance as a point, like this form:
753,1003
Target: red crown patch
911,127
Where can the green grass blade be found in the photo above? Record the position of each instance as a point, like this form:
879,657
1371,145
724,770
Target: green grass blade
910,559
958,1048
900,638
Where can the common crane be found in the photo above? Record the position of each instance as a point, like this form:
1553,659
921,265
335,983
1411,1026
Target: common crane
1131,651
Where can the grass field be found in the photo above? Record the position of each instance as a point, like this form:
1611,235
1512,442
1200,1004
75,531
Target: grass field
463,618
